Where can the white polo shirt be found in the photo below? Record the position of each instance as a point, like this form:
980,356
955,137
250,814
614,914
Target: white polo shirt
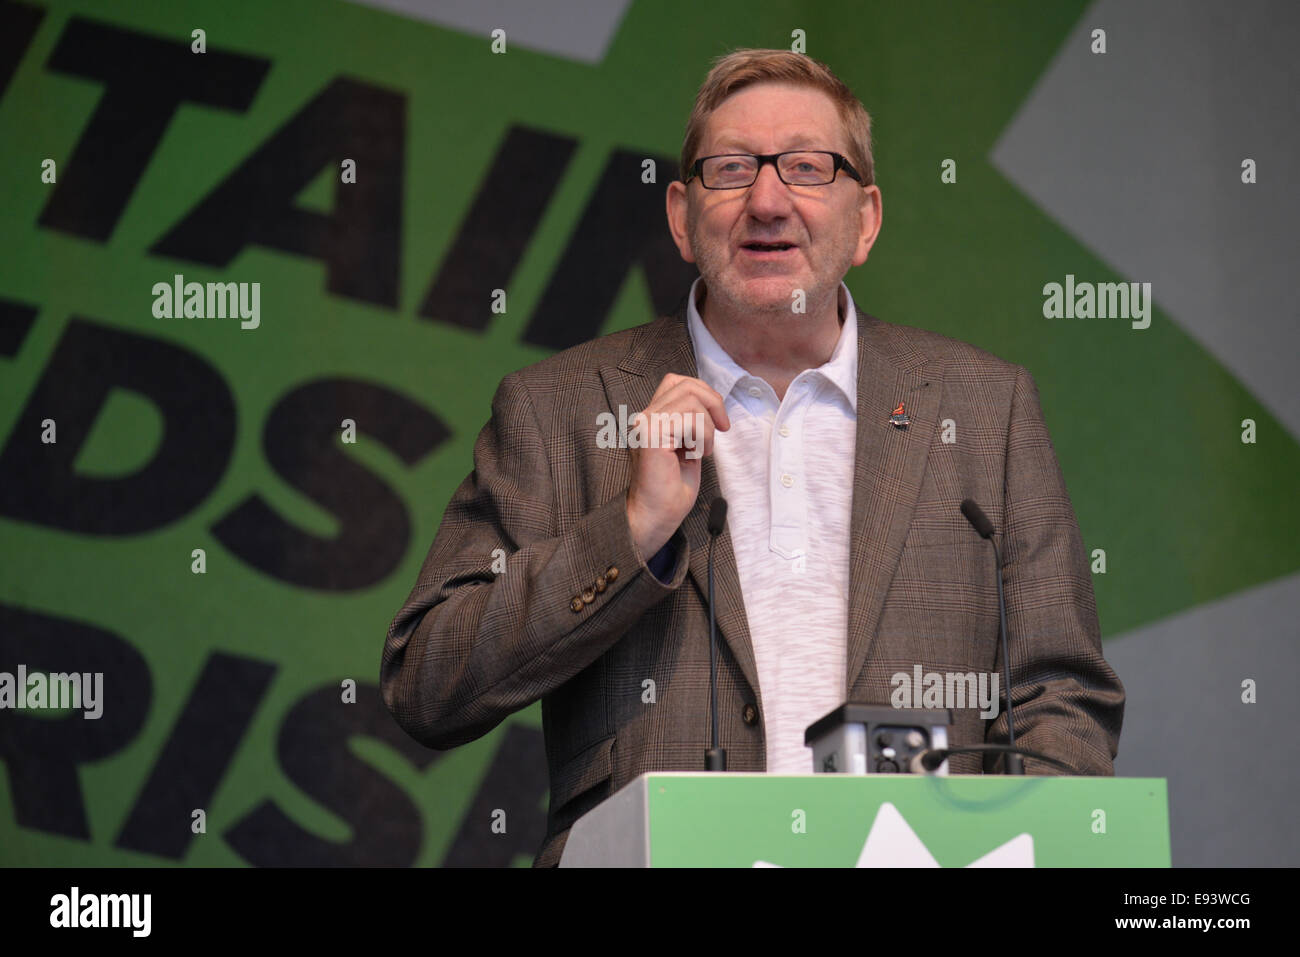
786,470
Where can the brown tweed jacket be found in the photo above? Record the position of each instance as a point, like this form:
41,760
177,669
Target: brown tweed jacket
470,647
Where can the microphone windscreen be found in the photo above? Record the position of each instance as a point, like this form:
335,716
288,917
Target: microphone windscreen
975,515
717,515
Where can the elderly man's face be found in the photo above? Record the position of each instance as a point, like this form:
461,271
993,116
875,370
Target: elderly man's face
831,227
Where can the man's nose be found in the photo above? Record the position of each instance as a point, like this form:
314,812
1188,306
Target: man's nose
768,194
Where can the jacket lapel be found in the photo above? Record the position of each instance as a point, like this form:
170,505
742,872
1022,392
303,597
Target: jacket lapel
666,347
889,465
733,625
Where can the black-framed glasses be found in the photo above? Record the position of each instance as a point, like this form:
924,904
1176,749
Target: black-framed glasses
794,167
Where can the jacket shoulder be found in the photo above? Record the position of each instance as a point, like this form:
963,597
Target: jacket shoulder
915,349
594,354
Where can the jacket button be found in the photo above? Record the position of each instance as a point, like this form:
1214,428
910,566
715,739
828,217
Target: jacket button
576,604
611,573
588,596
750,714
601,583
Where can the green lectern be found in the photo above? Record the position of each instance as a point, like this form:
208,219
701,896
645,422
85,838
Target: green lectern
875,820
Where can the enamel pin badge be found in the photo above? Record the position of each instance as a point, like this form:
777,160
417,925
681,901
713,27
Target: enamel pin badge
898,418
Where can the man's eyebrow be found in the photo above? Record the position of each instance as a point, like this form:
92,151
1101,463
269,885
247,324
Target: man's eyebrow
798,142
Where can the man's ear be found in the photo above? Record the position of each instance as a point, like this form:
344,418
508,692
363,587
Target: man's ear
677,204
869,216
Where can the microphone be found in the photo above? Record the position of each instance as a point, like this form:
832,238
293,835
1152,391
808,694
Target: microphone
980,522
715,758
975,515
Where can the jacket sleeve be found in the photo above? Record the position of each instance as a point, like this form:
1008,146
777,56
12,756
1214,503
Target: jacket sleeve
1069,703
470,646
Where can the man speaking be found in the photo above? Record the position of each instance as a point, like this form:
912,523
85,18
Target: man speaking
844,447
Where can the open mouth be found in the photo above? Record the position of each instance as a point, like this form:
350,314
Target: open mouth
768,249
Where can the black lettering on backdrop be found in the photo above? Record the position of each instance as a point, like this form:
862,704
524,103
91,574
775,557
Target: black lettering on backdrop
314,753
145,79
197,754
496,230
516,783
37,481
42,752
18,23
621,227
301,442
16,320
360,242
